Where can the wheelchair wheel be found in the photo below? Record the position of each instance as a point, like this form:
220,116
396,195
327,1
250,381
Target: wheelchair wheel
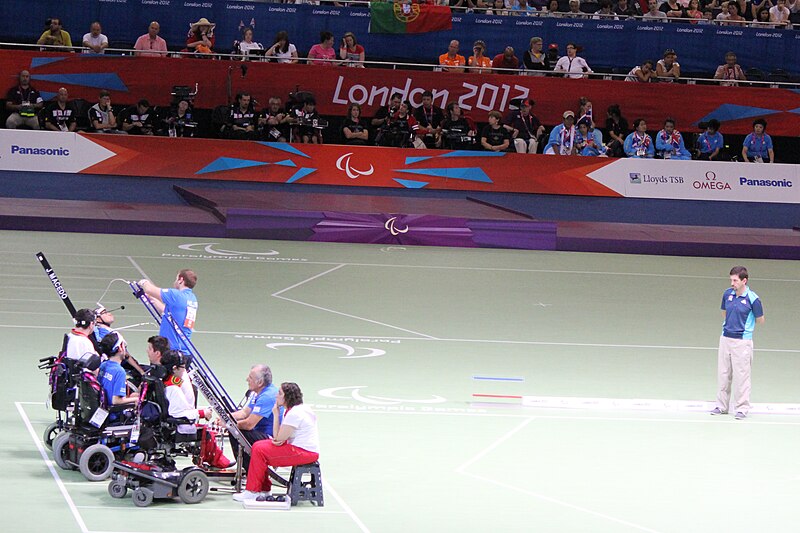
96,462
50,433
193,486
142,497
117,490
61,451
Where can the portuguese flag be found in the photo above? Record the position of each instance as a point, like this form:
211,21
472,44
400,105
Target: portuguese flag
396,17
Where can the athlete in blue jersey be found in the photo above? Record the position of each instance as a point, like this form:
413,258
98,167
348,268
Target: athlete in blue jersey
181,303
741,311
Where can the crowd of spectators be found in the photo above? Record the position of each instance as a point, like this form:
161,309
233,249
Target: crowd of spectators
397,124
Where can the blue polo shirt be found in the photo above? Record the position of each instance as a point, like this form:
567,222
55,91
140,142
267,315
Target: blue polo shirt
740,314
708,143
262,404
758,145
113,379
182,305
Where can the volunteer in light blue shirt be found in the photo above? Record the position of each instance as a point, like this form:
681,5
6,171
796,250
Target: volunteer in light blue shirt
181,303
741,311
757,146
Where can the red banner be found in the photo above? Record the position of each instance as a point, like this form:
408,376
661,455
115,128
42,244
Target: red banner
132,78
347,165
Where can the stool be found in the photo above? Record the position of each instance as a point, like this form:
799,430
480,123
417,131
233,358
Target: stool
310,490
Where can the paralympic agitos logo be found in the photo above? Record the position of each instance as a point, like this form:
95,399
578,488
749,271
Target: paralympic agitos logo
211,249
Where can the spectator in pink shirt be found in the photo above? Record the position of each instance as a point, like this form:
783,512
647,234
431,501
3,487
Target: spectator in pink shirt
150,44
323,53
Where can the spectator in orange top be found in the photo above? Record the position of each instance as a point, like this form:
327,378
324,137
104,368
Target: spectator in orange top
480,63
506,60
452,61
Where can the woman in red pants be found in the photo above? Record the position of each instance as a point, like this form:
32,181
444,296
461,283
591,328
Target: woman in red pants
296,442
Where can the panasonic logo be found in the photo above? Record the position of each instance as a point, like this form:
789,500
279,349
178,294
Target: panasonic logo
25,150
764,183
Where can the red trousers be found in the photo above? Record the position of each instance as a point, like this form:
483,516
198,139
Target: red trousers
265,454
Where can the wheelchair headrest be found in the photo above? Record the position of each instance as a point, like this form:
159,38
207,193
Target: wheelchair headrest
89,361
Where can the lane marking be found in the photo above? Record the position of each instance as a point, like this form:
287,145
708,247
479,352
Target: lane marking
495,444
337,267
327,486
136,266
75,513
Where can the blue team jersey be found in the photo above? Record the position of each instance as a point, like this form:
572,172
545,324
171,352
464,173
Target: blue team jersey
262,404
740,313
113,380
182,305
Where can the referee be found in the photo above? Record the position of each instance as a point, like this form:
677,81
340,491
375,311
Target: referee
741,311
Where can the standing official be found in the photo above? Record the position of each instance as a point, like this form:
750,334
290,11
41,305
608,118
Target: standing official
741,311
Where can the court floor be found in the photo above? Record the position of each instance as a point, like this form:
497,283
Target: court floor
457,389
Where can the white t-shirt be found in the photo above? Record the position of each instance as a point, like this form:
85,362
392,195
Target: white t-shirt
95,41
179,407
286,57
245,47
304,422
77,345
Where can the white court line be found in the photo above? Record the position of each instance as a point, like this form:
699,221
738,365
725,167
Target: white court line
357,317
75,513
194,509
445,267
542,416
136,266
278,295
560,502
504,438
337,267
439,339
327,486
495,444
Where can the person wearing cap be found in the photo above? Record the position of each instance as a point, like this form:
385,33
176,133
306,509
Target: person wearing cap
201,37
668,69
575,10
669,143
643,73
138,119
562,138
525,128
638,143
553,55
150,44
479,63
505,62
452,61
572,65
534,59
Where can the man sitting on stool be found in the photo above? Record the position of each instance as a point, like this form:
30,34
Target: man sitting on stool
255,420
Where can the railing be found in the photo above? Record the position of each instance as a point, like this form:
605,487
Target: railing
394,65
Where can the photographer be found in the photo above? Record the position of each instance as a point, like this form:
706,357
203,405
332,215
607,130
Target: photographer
457,132
385,113
401,130
309,124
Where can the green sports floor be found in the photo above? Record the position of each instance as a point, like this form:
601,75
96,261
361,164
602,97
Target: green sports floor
435,373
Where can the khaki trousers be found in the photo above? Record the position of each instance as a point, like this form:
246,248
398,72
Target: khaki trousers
734,362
